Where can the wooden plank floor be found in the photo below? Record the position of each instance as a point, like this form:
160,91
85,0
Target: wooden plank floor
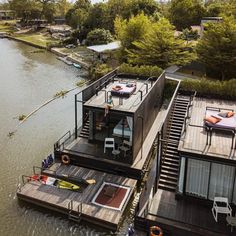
194,140
164,205
99,100
59,198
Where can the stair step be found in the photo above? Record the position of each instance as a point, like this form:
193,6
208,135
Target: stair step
174,138
169,173
172,151
173,156
182,99
84,132
170,159
168,177
168,182
167,188
170,146
174,133
171,164
172,169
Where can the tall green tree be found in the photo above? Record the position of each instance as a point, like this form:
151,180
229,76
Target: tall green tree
217,48
129,31
160,47
184,13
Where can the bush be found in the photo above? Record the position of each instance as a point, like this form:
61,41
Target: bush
99,36
98,70
209,88
140,70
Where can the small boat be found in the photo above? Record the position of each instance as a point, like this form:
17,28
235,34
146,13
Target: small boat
65,60
77,65
67,185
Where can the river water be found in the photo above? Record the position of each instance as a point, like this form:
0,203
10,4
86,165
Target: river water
27,80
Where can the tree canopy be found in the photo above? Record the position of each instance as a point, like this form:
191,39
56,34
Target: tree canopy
217,48
184,13
160,47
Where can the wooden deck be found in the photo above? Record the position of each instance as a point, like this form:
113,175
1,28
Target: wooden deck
128,104
92,156
184,217
194,140
58,199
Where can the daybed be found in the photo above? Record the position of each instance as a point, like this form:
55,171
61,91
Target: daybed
224,122
123,89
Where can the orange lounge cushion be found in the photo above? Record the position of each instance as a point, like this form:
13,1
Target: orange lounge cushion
212,119
117,88
230,114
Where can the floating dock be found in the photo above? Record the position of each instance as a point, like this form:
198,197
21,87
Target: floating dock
102,203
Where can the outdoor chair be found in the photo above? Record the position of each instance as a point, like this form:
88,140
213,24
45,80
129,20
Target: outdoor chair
221,205
109,143
125,146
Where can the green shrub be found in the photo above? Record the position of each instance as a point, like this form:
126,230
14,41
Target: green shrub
216,88
99,36
98,70
140,70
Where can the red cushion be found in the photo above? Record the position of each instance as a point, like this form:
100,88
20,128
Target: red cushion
230,114
212,119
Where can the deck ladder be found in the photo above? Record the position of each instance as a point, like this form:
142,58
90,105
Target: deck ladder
74,215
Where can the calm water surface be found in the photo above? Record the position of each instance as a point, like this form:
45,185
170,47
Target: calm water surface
27,80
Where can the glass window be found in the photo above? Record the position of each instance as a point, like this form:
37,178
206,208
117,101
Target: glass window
197,177
221,181
181,175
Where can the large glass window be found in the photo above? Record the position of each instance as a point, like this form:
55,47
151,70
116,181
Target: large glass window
197,177
221,181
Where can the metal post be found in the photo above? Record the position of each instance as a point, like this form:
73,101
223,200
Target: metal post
76,128
140,117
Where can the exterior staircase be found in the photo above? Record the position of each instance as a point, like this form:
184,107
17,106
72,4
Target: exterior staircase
84,133
170,157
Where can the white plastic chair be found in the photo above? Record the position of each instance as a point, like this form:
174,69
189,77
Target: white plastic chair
221,205
109,143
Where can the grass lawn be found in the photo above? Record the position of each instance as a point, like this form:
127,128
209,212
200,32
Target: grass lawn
7,26
36,38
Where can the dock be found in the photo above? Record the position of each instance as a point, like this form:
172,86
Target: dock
78,205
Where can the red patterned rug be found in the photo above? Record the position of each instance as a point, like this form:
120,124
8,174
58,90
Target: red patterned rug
111,196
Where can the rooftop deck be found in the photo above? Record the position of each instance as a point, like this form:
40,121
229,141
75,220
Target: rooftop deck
121,102
184,217
195,138
58,199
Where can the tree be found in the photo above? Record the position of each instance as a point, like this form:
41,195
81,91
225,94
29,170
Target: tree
26,9
62,7
99,36
77,16
97,17
128,31
217,48
185,13
160,47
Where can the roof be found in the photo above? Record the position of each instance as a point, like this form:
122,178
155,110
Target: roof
105,47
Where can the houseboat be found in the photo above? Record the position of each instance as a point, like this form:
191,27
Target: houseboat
107,153
196,167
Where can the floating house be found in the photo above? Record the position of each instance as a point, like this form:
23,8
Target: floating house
196,163
114,141
106,154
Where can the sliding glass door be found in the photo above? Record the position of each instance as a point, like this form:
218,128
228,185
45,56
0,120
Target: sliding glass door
197,178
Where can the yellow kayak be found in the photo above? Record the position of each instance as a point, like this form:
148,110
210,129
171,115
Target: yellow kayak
66,185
